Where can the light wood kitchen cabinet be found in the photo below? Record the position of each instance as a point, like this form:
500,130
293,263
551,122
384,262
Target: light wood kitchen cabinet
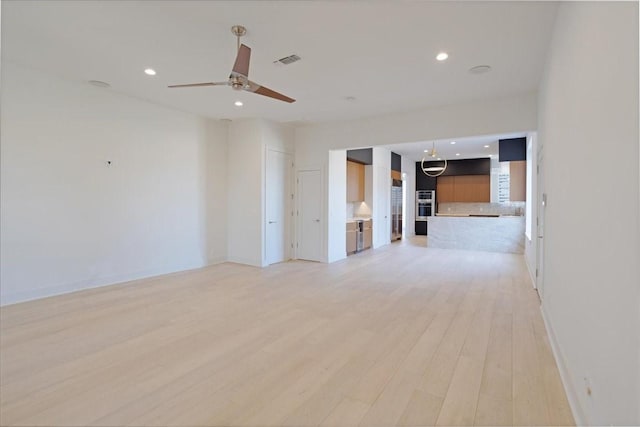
355,182
367,234
518,181
352,237
464,188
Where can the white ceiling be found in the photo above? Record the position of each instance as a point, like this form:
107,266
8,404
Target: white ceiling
381,53
467,148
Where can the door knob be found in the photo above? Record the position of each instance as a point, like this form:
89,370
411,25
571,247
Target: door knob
272,222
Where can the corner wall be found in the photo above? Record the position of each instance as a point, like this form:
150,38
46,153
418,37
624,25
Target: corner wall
247,144
337,206
409,168
71,221
531,242
588,125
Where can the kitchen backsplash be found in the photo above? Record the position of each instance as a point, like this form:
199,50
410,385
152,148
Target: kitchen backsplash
358,209
507,208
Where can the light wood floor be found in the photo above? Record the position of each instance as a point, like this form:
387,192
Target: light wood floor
402,335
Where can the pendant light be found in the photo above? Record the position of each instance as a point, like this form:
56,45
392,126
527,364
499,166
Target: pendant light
433,171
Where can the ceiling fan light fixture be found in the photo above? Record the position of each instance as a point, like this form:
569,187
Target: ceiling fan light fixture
433,170
239,77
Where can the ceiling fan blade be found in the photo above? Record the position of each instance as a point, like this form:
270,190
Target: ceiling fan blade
241,65
265,91
201,84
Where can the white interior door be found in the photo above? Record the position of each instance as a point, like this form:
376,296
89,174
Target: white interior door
278,206
309,215
542,202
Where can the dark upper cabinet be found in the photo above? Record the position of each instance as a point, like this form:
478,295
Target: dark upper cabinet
462,167
396,162
424,182
363,156
512,149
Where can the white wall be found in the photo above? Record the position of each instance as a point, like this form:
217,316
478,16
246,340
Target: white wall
337,205
247,144
588,112
245,196
381,212
409,168
531,242
70,221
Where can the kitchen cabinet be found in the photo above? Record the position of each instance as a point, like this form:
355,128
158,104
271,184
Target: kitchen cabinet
352,237
355,182
421,228
367,234
518,181
464,188
424,182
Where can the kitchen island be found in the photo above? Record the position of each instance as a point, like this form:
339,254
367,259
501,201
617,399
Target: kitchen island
489,233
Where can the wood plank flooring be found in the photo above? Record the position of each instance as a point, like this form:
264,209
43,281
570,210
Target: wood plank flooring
397,336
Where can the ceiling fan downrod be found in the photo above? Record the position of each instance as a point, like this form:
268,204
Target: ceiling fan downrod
238,31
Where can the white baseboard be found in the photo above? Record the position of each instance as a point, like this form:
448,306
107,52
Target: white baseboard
214,261
569,389
67,288
245,261
532,274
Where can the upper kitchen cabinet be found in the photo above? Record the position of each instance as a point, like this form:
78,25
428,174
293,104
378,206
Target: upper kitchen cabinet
355,182
424,182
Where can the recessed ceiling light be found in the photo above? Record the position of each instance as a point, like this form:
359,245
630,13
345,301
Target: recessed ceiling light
480,69
150,72
486,146
98,83
238,104
442,56
453,142
426,151
457,154
439,158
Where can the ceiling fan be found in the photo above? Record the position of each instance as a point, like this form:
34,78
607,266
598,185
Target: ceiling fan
239,77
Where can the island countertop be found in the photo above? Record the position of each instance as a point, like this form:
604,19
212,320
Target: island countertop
479,233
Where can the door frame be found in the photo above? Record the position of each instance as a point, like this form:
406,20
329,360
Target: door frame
540,223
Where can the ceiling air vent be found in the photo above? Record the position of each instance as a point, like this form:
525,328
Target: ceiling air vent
287,60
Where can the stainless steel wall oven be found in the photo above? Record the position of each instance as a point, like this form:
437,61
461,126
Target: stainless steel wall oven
425,204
